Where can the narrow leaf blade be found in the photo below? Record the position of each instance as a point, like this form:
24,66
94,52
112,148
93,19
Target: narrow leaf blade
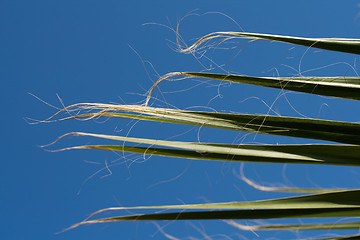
340,87
346,45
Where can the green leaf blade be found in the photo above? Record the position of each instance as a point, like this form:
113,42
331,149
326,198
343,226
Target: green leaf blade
307,154
346,45
335,131
339,87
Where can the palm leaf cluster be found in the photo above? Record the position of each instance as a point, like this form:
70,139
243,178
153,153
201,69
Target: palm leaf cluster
343,147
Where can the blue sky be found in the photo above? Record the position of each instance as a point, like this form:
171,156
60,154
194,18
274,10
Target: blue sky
112,51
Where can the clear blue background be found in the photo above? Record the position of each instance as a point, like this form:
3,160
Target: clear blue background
84,51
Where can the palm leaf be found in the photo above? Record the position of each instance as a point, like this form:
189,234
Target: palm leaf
340,87
346,45
236,214
324,203
335,204
309,154
336,131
